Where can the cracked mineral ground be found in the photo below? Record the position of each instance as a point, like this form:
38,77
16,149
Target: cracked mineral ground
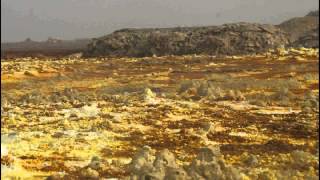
172,117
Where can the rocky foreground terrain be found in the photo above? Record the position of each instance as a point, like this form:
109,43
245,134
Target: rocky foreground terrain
227,39
170,117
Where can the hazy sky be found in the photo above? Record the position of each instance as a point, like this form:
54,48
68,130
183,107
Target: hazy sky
69,19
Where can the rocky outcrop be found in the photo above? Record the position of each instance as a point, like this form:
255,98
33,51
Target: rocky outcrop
228,39
303,31
309,39
313,13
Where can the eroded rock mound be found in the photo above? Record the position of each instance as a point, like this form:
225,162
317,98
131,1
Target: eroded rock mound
309,40
227,39
303,31
209,164
313,13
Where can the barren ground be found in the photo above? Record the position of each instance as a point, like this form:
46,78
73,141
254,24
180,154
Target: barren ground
59,113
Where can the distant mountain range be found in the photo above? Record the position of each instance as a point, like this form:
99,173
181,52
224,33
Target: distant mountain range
52,46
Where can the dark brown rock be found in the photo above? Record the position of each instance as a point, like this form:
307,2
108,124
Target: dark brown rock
227,39
303,31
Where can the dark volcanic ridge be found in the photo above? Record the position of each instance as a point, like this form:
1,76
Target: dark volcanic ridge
227,39
301,28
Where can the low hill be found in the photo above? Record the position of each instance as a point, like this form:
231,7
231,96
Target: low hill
313,13
227,39
309,39
303,29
